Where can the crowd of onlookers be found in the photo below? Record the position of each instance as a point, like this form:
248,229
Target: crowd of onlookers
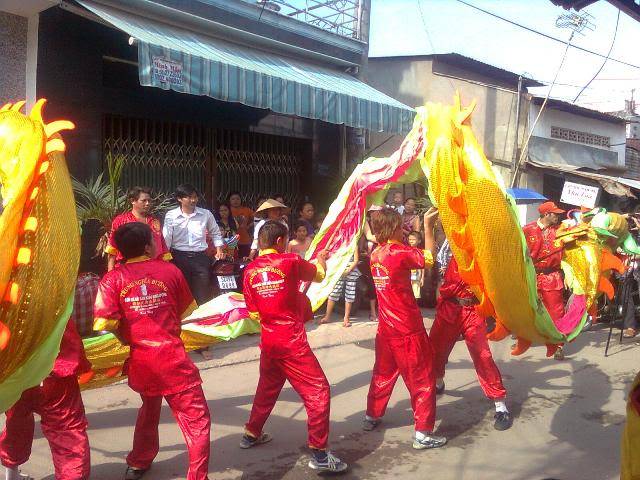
193,237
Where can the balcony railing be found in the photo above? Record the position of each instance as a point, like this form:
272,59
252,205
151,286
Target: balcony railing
342,17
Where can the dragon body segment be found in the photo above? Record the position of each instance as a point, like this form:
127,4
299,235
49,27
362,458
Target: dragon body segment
39,248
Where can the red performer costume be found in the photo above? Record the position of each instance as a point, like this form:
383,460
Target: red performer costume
143,302
62,419
162,252
455,315
402,344
271,292
546,257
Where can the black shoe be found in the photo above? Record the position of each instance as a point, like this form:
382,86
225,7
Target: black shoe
440,388
503,421
369,425
248,441
134,473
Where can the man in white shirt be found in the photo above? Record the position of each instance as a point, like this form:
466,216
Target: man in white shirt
186,231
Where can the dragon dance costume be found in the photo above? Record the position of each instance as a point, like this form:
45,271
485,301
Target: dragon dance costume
62,418
144,300
402,344
456,315
271,289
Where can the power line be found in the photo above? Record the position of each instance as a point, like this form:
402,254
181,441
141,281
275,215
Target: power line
550,37
426,31
613,41
516,173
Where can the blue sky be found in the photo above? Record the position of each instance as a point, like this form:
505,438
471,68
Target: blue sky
397,29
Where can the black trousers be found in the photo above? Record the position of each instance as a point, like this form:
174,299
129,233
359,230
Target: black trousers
196,268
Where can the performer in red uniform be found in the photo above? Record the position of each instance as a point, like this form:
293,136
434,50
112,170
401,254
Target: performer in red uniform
58,402
540,236
402,344
142,302
456,315
140,198
272,294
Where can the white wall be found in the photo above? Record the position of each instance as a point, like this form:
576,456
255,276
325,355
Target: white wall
557,118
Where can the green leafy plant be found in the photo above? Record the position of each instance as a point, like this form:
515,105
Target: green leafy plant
102,198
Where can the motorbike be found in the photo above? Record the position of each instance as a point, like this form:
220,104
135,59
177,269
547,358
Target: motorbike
227,276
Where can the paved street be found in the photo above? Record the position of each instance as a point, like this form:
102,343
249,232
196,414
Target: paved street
569,416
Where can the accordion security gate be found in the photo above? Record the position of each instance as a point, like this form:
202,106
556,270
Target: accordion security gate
216,161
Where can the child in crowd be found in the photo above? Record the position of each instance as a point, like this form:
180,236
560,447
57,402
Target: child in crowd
58,402
414,239
402,344
272,294
143,303
301,240
348,284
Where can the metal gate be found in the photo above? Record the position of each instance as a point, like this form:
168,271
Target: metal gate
257,165
216,161
161,155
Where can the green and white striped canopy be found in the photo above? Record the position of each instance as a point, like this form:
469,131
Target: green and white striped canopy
173,58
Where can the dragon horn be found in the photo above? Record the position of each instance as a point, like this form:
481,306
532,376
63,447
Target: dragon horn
16,107
36,111
58,125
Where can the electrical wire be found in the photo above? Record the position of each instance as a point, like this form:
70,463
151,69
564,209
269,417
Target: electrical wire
550,37
523,152
613,41
433,48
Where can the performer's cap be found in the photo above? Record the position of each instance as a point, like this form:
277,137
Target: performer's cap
549,207
271,203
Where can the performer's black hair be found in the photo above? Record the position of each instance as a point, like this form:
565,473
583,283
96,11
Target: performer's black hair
132,238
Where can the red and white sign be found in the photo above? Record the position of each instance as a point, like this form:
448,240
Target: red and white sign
579,195
167,71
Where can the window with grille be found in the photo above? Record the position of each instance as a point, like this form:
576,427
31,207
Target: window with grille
580,137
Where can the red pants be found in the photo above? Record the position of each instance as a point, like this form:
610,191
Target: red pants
553,301
63,423
307,378
412,357
192,414
451,321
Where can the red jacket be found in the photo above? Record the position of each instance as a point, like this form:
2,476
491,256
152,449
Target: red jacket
144,301
71,359
546,256
452,284
272,294
391,265
156,230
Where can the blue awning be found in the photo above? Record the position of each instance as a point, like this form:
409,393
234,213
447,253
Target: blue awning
525,195
173,58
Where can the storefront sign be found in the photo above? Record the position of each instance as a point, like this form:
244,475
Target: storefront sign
579,195
167,71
